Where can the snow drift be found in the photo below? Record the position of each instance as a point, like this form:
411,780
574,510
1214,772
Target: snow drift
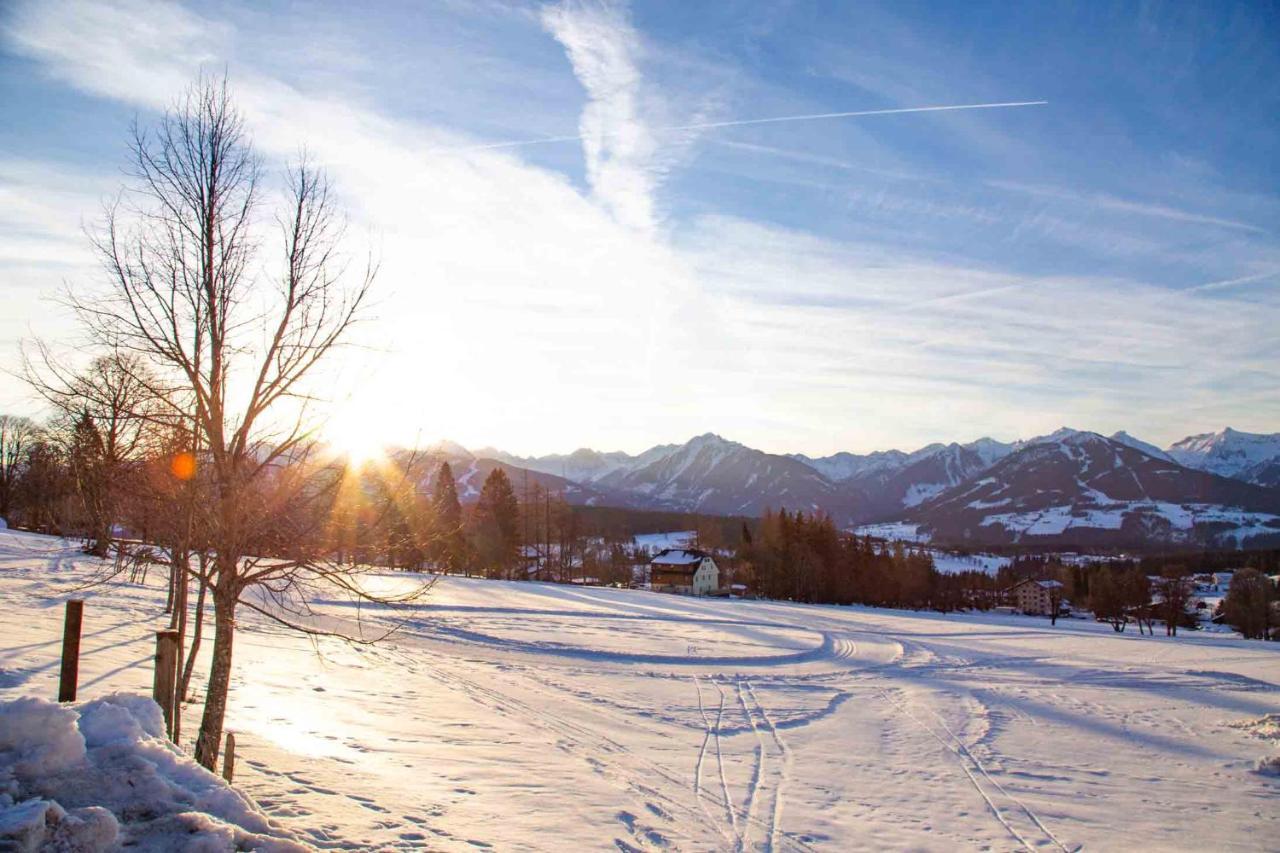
101,775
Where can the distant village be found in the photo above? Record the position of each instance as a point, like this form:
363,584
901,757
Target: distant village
673,563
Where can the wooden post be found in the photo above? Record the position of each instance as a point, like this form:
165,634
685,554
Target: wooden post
70,673
229,758
164,688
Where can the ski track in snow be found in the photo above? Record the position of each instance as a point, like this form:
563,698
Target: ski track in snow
724,783
753,790
530,716
783,763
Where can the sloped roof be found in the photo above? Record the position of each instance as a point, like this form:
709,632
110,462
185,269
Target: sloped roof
679,557
1043,584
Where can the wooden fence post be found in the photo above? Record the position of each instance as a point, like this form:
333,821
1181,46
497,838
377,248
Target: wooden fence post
70,672
164,687
229,758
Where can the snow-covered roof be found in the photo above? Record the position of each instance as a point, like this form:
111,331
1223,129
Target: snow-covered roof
679,557
1043,584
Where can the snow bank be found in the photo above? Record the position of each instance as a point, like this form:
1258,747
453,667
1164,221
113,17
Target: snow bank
1266,727
101,774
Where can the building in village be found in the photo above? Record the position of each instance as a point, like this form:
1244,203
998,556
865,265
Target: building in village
684,570
1036,597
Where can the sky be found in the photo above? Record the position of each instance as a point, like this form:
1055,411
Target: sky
665,265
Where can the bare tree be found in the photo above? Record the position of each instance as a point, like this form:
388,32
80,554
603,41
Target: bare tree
1174,589
17,435
183,252
1055,602
116,401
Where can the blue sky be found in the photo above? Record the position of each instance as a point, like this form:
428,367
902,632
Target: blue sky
1108,260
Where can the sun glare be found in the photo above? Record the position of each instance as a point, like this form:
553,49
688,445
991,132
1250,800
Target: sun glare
354,438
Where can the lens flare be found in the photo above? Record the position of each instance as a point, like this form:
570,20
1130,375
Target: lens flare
183,466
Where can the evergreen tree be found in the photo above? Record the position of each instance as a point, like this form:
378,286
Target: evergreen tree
44,488
449,545
497,525
89,468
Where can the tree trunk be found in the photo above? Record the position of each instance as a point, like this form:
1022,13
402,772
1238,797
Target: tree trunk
101,537
197,631
215,699
177,568
178,621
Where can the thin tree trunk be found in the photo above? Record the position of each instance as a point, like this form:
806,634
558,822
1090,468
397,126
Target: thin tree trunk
197,630
178,571
215,699
177,568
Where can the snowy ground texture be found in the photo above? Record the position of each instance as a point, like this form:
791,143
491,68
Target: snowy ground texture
540,717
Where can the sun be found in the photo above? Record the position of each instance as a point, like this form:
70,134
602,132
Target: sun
355,437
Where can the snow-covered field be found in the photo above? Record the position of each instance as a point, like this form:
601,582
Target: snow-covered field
530,716
950,563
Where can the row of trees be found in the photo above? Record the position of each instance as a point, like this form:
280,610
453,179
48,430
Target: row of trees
404,513
1118,597
805,558
1147,591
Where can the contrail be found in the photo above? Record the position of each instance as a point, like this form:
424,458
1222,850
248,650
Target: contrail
711,125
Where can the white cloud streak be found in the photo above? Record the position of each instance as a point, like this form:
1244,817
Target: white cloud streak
714,125
619,147
1103,201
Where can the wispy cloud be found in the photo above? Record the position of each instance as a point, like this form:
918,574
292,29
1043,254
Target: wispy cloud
878,309
1223,284
619,146
144,48
1106,202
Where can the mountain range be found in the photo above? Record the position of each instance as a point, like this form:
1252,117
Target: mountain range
1072,487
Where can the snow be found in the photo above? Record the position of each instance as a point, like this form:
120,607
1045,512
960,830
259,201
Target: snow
1055,520
678,557
893,531
950,563
1124,438
90,776
528,716
1245,524
990,451
655,542
469,490
918,493
1229,453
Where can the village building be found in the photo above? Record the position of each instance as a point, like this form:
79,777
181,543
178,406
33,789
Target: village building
684,570
1036,597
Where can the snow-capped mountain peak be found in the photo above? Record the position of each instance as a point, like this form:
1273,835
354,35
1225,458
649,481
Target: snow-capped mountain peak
1081,488
450,450
1254,457
990,450
1138,444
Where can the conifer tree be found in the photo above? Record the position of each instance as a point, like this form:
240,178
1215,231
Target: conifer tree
497,525
449,546
89,467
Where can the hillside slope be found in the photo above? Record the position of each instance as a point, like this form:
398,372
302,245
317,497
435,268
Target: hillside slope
1080,488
